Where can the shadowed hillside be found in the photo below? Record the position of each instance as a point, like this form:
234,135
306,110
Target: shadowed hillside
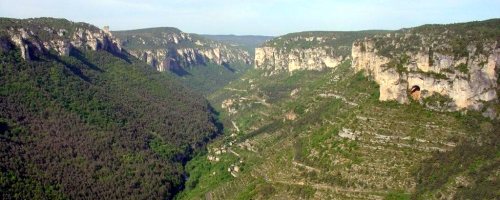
92,123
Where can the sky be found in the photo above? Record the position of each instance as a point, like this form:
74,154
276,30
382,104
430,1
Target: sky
256,17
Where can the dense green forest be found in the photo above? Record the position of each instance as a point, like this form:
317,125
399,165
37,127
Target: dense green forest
95,125
200,63
208,78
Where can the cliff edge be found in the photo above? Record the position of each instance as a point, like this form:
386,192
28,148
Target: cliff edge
457,64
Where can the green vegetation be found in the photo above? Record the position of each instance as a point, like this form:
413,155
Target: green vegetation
147,38
397,195
399,64
438,102
311,156
463,68
95,125
15,187
153,38
206,79
339,41
204,175
435,74
320,38
431,57
450,39
46,28
201,74
469,166
165,149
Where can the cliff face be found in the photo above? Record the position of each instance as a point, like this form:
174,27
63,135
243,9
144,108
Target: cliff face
458,63
41,35
277,59
170,49
306,51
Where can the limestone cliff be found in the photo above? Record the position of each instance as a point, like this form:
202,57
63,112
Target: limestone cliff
307,50
170,49
42,35
460,62
278,60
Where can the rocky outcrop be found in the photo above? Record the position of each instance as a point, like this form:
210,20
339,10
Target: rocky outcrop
168,59
388,79
281,59
34,38
313,50
468,79
170,49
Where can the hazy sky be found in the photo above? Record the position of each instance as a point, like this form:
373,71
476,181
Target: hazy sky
261,17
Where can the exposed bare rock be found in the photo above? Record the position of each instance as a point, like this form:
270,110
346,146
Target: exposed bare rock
172,49
388,79
294,92
348,133
469,79
32,39
275,59
290,116
166,59
19,42
229,105
306,51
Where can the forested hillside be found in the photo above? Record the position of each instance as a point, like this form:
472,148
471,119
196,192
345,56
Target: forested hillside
93,124
200,63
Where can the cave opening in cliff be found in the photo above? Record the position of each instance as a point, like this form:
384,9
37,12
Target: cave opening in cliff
415,92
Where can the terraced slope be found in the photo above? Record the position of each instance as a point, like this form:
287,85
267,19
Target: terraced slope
325,135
